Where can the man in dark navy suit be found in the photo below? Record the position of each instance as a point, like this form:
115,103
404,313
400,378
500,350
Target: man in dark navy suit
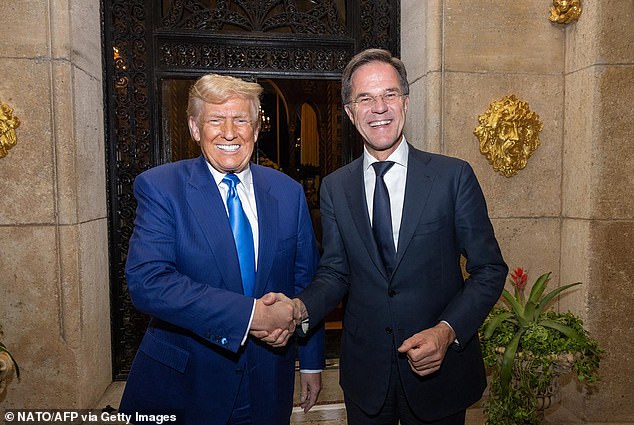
395,224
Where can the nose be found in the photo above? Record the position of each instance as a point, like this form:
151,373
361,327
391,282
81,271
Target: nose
380,105
513,133
228,130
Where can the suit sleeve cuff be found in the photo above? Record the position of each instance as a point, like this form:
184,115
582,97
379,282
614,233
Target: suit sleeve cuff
246,333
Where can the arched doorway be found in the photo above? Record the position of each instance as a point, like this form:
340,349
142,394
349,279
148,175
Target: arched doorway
153,48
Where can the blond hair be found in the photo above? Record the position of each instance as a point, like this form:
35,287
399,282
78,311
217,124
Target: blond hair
217,89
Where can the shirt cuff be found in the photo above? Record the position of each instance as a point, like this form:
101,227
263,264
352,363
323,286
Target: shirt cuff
310,370
246,334
455,341
305,325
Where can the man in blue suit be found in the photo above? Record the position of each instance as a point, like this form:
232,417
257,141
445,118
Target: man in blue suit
395,224
215,239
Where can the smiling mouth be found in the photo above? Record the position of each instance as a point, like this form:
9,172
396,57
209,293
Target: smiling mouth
379,123
228,148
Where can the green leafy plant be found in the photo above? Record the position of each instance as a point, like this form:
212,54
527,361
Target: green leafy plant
527,346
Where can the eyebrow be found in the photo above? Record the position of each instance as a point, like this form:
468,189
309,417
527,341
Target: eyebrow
223,115
397,89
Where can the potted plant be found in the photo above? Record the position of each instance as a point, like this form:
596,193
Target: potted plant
528,347
8,367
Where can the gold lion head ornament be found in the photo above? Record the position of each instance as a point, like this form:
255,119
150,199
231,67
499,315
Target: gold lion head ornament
8,124
565,11
508,134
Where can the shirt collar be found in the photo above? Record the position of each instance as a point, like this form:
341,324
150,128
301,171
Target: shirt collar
399,156
245,176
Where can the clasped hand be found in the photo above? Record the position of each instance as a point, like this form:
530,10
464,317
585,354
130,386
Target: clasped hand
275,319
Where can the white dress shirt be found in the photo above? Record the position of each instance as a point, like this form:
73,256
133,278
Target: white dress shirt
395,179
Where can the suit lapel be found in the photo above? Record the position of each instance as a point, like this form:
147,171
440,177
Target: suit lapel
203,197
417,190
358,207
267,227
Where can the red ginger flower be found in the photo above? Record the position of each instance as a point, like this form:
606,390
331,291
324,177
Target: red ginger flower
519,278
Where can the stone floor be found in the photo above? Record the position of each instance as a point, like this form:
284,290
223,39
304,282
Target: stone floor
331,410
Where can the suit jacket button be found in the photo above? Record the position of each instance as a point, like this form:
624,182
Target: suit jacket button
391,293
388,330
223,341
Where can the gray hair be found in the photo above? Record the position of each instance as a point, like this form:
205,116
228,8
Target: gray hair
365,57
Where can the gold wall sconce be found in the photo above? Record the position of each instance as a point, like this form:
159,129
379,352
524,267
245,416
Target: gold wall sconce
508,134
8,124
565,11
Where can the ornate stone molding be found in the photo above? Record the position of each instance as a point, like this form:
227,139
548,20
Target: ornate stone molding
508,134
8,124
565,11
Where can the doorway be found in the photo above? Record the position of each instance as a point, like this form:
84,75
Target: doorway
296,49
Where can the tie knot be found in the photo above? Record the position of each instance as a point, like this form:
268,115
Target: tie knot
231,180
381,167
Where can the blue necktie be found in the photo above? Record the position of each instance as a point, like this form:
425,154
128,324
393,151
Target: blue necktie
242,234
382,217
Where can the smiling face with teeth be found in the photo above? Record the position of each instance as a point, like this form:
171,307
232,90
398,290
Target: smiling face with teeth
380,124
226,133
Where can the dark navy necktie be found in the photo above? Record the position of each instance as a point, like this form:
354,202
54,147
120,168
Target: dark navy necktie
242,234
382,217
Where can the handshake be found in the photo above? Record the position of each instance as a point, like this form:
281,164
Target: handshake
275,318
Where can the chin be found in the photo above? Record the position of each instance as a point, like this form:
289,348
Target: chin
384,146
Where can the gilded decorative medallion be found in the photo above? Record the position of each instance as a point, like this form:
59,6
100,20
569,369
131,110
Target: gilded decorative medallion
8,124
508,134
565,11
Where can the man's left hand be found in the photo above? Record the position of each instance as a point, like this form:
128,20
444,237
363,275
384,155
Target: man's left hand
310,389
426,350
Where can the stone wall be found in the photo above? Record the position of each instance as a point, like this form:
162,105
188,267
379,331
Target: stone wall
54,298
597,207
568,211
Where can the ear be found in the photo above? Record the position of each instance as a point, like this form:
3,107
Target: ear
349,112
193,129
406,104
